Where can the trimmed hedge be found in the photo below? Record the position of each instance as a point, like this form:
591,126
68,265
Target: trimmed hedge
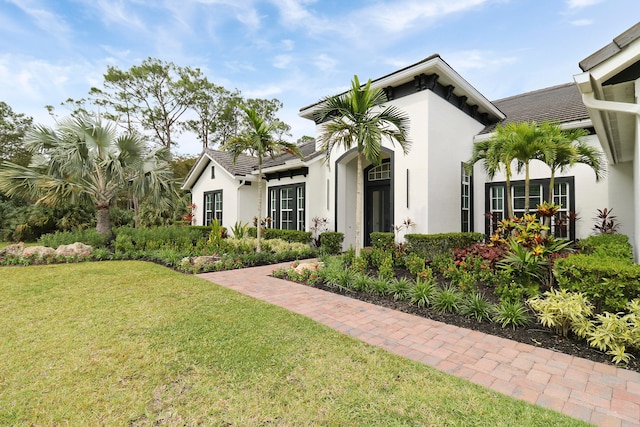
609,283
382,240
431,246
292,236
145,239
89,237
331,242
608,245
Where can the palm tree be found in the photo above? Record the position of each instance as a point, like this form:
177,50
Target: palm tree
359,119
568,150
526,142
83,160
259,141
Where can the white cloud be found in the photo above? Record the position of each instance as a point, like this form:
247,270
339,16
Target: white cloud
282,61
577,4
54,25
117,12
268,91
581,22
478,60
288,45
324,62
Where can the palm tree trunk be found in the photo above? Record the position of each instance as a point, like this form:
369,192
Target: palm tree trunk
103,222
259,225
526,188
508,195
359,185
136,212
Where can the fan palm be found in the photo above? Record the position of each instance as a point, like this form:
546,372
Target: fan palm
83,160
359,119
259,141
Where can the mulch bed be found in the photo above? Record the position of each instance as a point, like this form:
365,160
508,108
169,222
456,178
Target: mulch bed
534,334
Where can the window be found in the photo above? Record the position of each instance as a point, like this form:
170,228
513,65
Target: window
535,197
212,206
465,201
562,225
380,172
213,172
287,207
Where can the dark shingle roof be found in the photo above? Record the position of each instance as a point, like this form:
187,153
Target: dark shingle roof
243,165
308,151
561,103
619,43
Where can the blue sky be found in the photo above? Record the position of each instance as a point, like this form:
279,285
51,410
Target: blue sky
297,50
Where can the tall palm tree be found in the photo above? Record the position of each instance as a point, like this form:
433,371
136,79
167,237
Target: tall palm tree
569,150
83,160
494,155
526,142
359,119
259,141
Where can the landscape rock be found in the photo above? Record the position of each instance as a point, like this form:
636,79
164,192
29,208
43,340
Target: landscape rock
312,265
74,249
201,261
38,251
15,249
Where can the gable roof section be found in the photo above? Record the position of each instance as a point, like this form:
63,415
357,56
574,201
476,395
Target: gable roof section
431,73
561,103
242,167
607,52
308,151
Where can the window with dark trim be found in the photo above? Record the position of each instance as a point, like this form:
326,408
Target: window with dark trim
286,207
466,201
213,172
212,206
562,225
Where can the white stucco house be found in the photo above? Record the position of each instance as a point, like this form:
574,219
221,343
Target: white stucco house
429,185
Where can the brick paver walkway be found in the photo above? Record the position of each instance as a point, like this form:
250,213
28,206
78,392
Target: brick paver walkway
598,393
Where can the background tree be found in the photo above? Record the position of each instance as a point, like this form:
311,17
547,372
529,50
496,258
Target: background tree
83,160
259,140
154,95
305,139
359,119
13,127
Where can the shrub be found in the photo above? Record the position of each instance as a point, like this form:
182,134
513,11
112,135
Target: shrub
422,293
431,246
381,285
400,289
142,239
385,268
609,283
511,313
447,300
561,310
476,306
382,240
331,242
608,245
362,283
88,237
613,333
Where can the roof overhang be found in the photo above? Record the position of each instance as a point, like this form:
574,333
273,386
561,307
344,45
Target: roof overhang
432,65
575,124
608,88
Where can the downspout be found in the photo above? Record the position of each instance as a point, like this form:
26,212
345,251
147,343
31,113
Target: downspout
590,101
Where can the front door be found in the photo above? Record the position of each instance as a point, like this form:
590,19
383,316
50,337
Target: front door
377,210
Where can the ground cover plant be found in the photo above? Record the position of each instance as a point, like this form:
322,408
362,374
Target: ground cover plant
133,343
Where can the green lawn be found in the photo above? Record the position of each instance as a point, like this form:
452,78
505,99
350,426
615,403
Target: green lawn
132,343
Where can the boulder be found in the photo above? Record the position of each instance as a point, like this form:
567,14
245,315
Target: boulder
74,249
38,251
308,265
15,249
201,261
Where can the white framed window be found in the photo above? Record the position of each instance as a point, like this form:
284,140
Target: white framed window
561,221
287,207
497,208
212,206
466,222
518,197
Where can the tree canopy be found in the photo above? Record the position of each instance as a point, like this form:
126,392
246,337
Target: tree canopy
13,127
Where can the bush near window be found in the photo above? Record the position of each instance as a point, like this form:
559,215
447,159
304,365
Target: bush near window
608,245
431,246
609,283
287,235
382,240
331,242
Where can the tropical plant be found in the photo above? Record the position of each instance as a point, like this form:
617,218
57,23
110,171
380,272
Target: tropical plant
422,293
511,313
259,141
447,300
358,119
240,230
605,223
476,306
561,310
85,161
400,289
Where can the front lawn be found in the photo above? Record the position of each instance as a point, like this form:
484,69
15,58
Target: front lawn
132,343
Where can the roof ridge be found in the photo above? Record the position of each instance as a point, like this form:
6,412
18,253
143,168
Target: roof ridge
534,91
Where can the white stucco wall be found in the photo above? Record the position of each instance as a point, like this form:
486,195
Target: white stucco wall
621,198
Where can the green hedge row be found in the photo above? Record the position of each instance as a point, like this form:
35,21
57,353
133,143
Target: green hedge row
286,235
89,237
382,240
145,239
604,271
431,246
331,242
